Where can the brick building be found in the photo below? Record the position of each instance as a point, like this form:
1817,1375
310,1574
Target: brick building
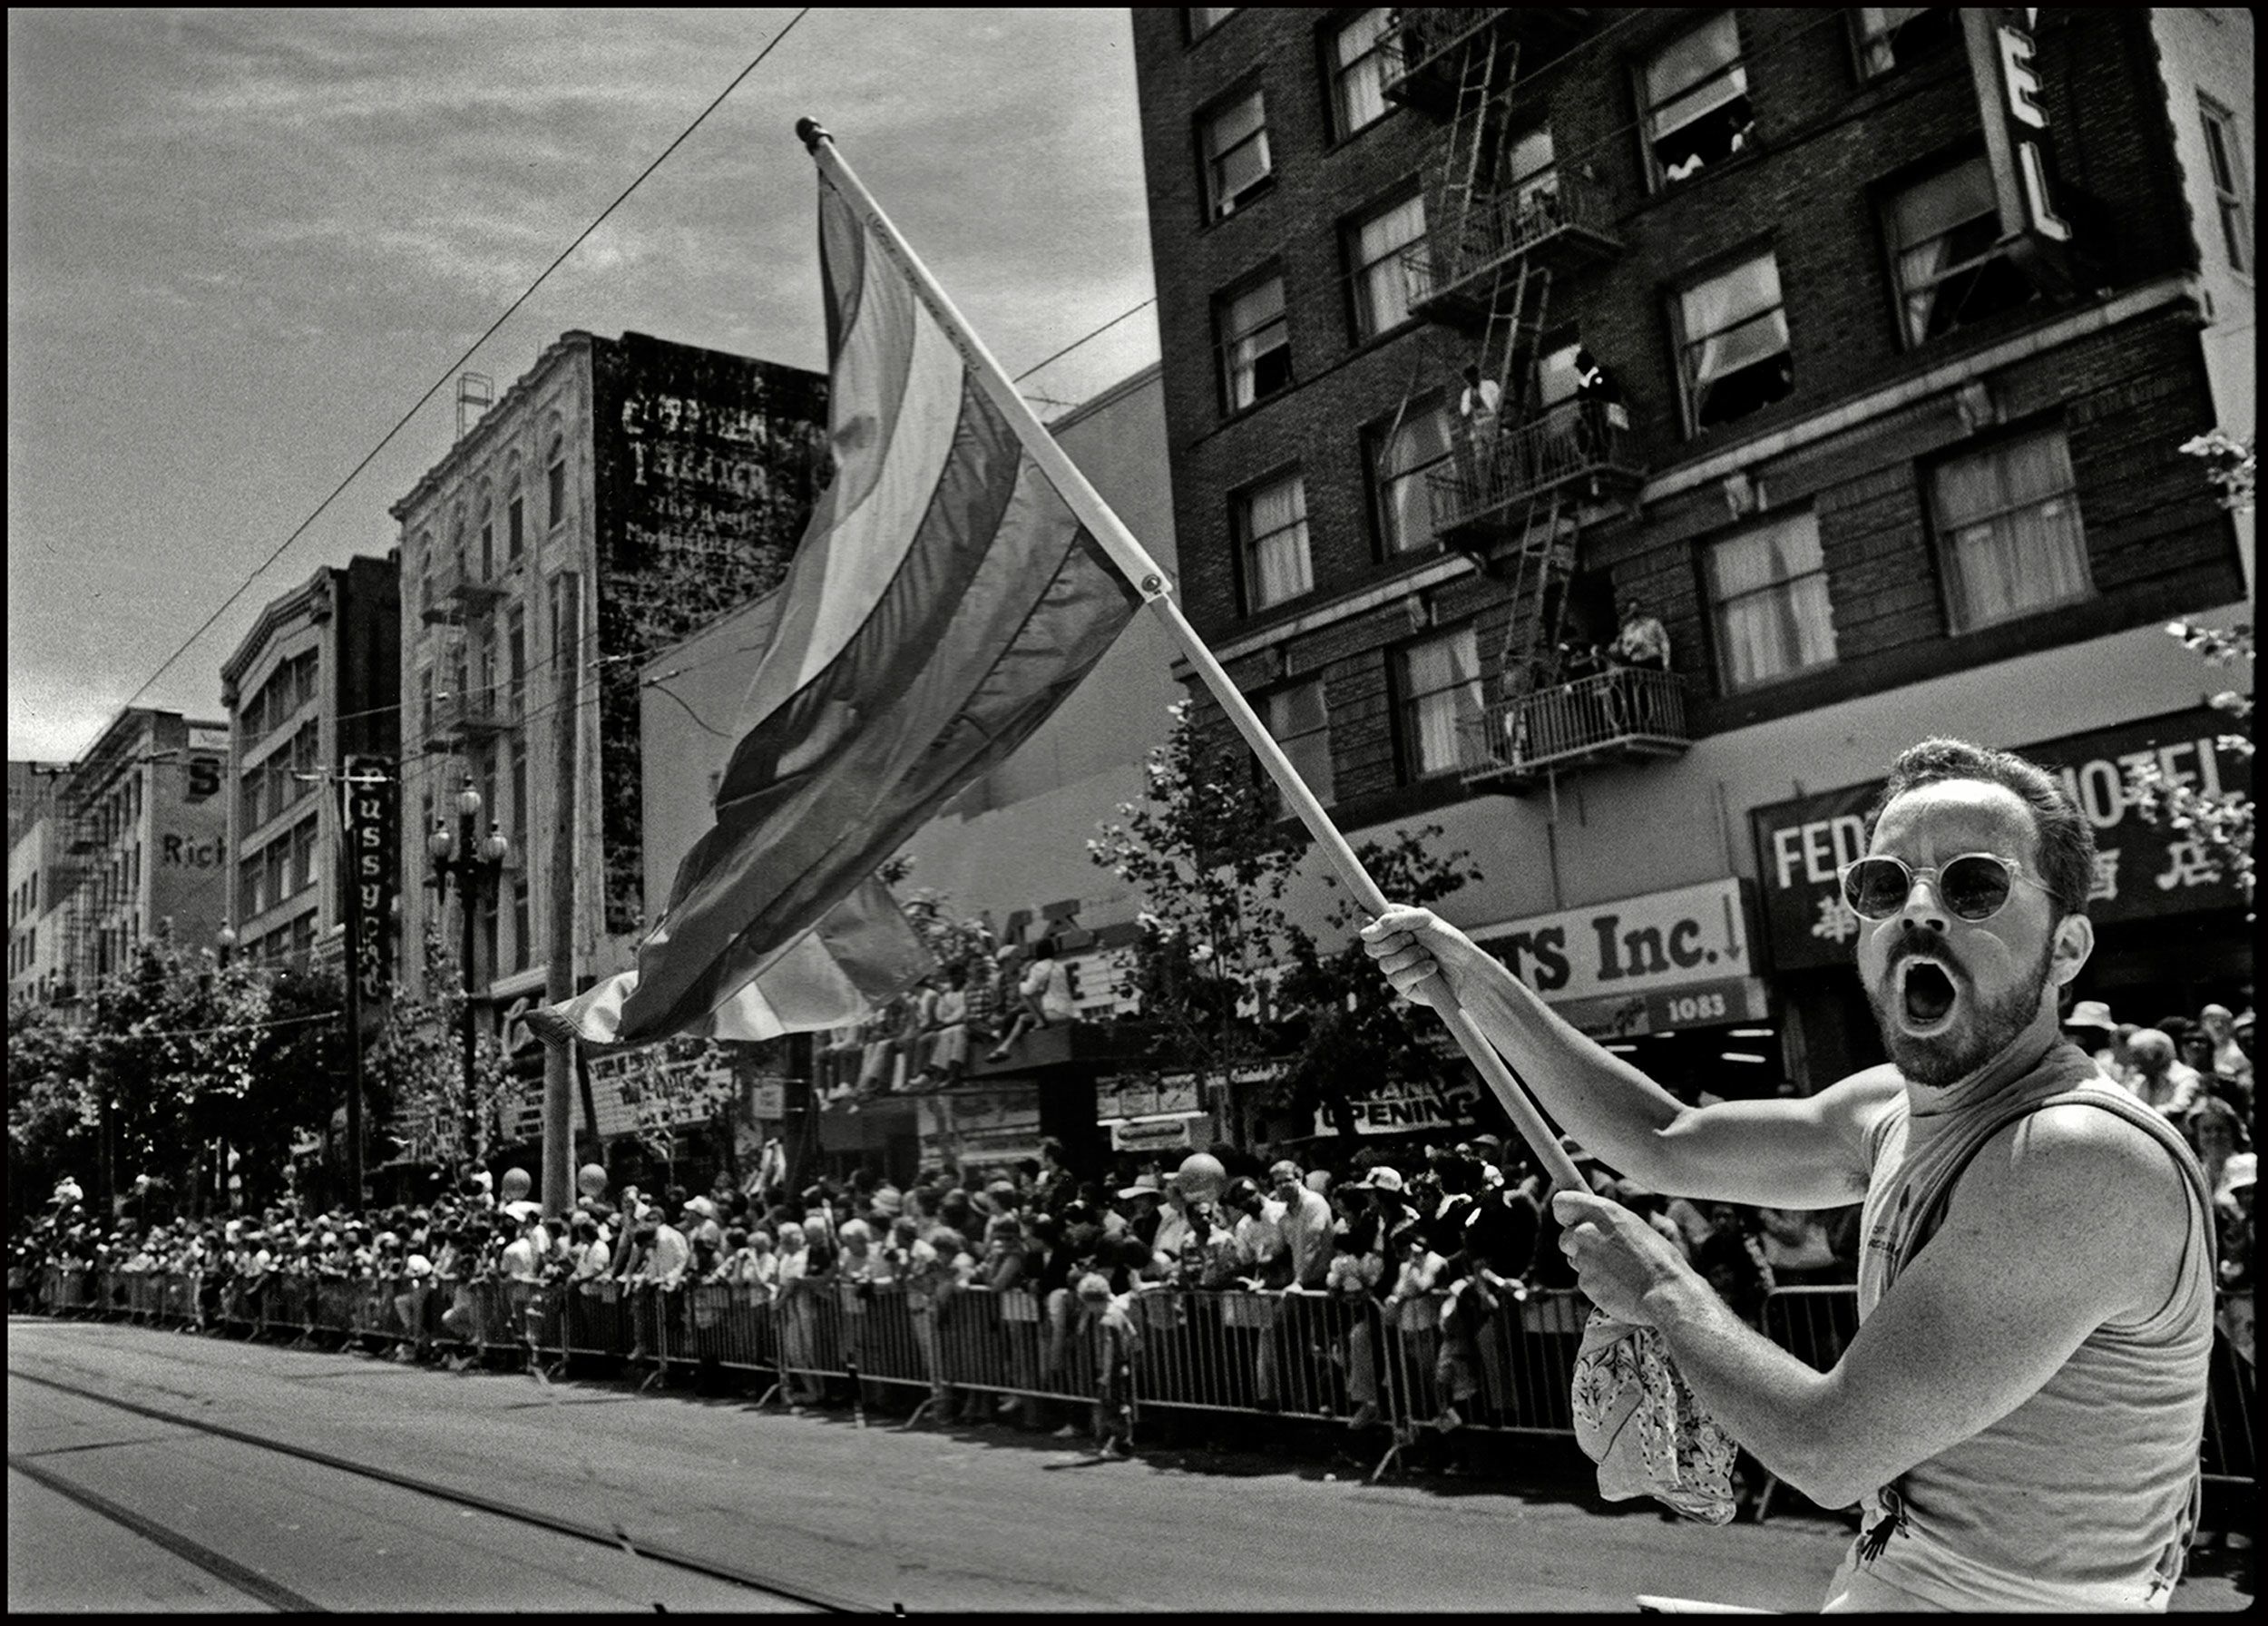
144,836
1854,347
315,681
620,493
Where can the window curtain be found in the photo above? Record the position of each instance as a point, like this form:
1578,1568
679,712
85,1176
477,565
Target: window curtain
1421,441
1444,685
1361,99
1926,220
1770,590
2010,520
1297,720
1685,64
1238,161
1378,250
1723,330
1254,325
1277,522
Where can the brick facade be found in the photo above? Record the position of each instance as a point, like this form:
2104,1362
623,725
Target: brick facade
1828,150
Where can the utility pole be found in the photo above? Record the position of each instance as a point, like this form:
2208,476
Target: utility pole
559,979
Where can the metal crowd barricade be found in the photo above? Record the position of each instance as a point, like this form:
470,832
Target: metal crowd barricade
2231,1450
1504,1368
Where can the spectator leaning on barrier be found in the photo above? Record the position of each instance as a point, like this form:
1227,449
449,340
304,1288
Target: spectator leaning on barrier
1305,1224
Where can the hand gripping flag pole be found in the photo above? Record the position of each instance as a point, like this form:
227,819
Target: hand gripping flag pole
1128,555
1634,1416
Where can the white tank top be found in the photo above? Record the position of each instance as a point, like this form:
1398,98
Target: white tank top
2085,1496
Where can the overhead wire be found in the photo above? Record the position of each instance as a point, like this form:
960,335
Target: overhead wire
526,294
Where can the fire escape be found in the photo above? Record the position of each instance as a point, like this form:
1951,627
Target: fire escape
1533,457
460,602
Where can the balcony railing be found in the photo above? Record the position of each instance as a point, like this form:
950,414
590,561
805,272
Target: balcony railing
454,591
1418,67
1574,440
1631,711
1560,223
1424,50
470,716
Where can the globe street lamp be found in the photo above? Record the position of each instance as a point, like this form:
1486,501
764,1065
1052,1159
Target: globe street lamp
475,865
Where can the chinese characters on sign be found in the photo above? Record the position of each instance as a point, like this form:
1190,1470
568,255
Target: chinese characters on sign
2141,870
372,836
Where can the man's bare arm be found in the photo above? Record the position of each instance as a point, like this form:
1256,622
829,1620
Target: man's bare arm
1804,1153
2028,1262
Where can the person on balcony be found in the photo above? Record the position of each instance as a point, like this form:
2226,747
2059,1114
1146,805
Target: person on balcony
1641,644
1478,414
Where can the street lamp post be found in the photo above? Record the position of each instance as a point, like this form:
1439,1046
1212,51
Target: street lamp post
475,865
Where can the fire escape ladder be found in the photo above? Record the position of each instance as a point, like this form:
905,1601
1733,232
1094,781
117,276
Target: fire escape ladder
1539,596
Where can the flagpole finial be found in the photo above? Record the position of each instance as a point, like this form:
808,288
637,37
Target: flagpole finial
810,132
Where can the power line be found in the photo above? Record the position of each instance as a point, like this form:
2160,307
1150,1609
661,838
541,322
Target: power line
438,383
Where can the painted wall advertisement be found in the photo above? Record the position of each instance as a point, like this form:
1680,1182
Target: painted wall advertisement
2142,870
1645,964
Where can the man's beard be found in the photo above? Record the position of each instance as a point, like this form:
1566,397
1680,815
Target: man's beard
1945,1058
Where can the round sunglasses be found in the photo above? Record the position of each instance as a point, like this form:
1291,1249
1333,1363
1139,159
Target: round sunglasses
1973,886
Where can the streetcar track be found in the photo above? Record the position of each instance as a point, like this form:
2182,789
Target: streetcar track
667,1556
219,1565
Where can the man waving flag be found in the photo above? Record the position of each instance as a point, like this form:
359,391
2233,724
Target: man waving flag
943,602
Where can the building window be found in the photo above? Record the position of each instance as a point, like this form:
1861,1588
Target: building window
1401,455
1272,527
519,795
516,652
1203,19
1945,238
1697,111
515,526
1768,600
488,548
1382,285
251,789
1256,345
1897,36
2224,152
1533,180
1358,59
1441,695
522,948
1733,344
425,700
1299,723
2008,524
304,851
1236,141
556,486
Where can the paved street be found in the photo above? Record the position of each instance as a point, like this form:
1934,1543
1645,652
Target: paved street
952,1519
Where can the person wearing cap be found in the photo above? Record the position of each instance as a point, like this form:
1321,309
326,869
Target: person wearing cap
2020,1409
1137,1207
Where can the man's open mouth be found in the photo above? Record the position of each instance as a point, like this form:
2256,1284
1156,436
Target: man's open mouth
1927,994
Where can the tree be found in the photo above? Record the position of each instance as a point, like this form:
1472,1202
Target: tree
1210,860
2220,822
1355,1030
417,1066
1224,979
51,1115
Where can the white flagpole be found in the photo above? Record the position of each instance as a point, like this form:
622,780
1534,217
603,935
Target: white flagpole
1111,534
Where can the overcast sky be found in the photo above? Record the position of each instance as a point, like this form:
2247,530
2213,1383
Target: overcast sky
240,244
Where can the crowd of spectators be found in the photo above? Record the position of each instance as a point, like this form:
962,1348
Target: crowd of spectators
1439,1236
